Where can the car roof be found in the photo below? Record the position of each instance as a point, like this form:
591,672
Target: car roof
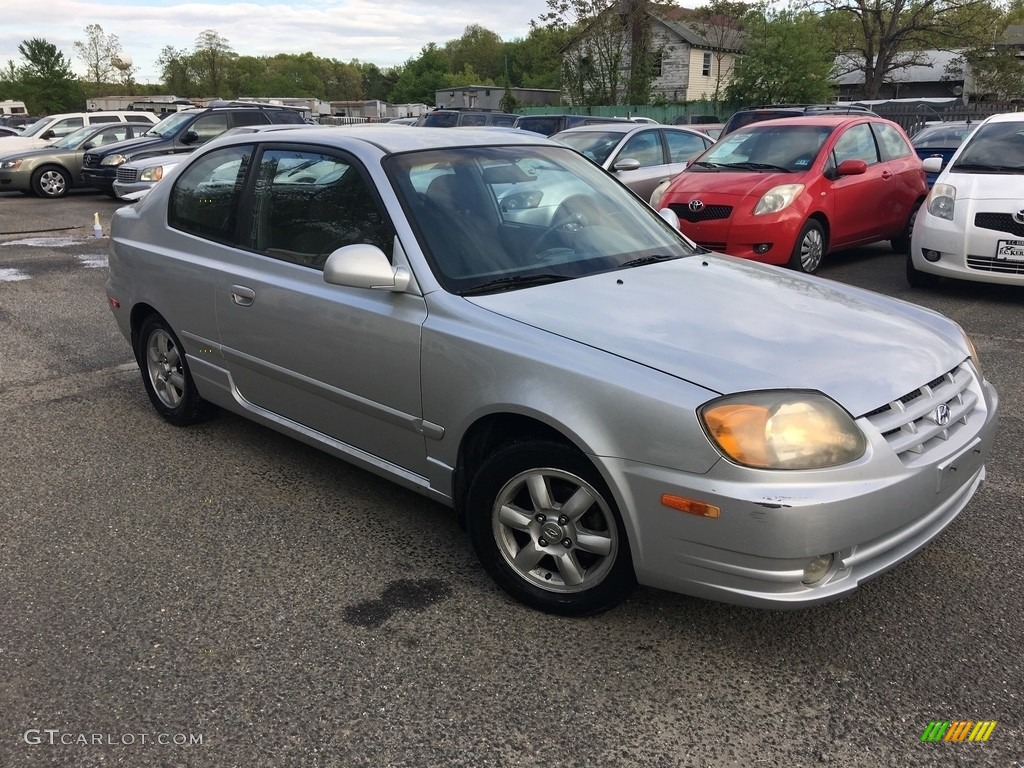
628,127
830,120
390,141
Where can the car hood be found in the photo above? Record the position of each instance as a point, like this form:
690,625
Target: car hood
980,186
731,326
17,144
130,146
737,184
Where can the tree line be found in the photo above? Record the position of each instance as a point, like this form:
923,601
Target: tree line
792,53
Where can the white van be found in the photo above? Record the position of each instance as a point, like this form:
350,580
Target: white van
48,129
12,107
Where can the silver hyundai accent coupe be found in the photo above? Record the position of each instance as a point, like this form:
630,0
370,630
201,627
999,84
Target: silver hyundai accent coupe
492,320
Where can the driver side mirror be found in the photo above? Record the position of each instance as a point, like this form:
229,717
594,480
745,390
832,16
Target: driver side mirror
365,266
190,137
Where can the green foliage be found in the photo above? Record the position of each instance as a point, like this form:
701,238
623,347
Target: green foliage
478,49
421,77
97,52
45,82
786,60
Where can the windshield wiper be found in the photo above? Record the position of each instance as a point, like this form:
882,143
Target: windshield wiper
984,168
758,167
518,281
705,164
639,262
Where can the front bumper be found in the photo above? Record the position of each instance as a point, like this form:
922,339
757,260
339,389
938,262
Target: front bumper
868,517
967,251
101,177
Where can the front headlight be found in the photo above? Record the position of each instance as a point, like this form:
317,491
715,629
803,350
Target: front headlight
783,430
11,165
971,350
113,160
152,174
778,198
942,201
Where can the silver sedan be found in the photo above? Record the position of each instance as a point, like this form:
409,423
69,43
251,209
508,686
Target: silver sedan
490,320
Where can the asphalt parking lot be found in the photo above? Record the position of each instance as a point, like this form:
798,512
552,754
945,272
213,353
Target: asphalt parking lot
225,596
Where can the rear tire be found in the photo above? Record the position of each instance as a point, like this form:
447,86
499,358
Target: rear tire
545,527
166,376
901,243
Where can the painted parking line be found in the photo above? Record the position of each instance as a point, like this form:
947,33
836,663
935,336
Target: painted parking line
8,275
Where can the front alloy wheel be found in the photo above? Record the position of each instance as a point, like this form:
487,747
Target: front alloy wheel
546,529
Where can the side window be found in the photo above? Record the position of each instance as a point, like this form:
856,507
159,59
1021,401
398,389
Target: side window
141,117
104,119
891,140
682,146
206,197
472,119
248,117
309,204
857,143
209,127
504,120
63,127
645,147
110,135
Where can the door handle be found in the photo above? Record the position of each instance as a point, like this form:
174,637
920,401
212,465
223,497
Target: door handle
242,296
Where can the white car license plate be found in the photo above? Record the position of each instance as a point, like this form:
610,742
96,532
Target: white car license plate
1011,250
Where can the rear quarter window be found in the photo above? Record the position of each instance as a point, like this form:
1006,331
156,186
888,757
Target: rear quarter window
891,140
206,197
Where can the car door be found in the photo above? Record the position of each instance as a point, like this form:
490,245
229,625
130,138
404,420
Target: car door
910,181
645,147
860,201
341,361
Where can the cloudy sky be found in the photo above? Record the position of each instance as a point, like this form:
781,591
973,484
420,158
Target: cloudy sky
382,32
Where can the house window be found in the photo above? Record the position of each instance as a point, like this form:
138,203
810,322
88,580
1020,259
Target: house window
706,67
656,65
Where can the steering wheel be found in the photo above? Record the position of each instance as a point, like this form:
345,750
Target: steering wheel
573,214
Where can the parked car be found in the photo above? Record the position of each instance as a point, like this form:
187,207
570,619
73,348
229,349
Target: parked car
941,140
56,169
750,115
46,130
641,156
599,401
136,177
791,190
181,132
972,226
452,118
549,125
5,131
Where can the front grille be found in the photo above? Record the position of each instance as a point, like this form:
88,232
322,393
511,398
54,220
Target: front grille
910,424
1000,222
127,175
998,266
707,213
90,161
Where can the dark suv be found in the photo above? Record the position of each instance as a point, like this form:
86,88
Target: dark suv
179,132
549,125
451,118
749,115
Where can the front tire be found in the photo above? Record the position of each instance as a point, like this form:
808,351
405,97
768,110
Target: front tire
51,181
919,279
545,527
166,376
809,249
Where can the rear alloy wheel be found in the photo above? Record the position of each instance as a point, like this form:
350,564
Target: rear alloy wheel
51,181
901,243
809,249
545,527
166,376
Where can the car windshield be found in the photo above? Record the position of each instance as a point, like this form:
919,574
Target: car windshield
597,145
942,136
170,125
39,126
72,140
766,147
497,218
993,148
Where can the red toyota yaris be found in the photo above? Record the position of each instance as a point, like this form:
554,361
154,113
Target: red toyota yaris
789,191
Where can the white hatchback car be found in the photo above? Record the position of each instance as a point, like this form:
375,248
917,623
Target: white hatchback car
971,227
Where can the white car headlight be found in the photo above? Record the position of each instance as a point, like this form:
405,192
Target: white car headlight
114,160
778,198
11,164
152,174
783,430
942,201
